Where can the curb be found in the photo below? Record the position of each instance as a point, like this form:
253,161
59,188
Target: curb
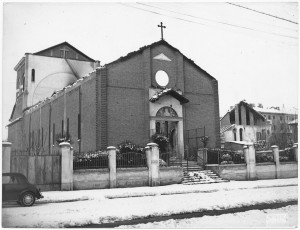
151,219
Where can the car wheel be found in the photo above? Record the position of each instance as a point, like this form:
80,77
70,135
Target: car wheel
27,199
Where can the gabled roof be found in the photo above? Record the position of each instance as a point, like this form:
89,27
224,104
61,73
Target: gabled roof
252,110
66,44
255,113
170,92
160,42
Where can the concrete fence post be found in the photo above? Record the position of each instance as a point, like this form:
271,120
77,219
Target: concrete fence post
154,165
275,151
66,166
112,162
249,153
148,157
246,155
6,156
252,162
295,146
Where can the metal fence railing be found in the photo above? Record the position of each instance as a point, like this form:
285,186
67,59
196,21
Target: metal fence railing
223,156
131,159
287,154
168,159
264,156
90,160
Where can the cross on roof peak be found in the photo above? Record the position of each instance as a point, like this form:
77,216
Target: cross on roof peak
161,29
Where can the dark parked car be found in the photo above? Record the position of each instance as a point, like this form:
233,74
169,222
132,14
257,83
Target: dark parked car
15,187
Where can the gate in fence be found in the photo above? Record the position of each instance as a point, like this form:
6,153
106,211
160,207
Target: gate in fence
193,141
41,170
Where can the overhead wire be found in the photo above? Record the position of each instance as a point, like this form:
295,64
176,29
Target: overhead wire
211,20
228,24
260,12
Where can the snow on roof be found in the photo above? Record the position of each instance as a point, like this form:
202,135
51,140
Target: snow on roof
57,92
226,128
293,122
171,92
278,111
14,121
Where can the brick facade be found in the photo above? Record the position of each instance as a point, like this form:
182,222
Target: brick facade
113,103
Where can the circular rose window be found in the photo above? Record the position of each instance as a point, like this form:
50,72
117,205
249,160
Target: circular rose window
162,78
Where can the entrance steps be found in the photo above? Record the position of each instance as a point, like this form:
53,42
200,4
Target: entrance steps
195,174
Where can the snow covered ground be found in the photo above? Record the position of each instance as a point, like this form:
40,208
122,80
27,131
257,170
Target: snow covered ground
268,218
100,209
62,196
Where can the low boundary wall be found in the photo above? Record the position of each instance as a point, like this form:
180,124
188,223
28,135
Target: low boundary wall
90,179
171,175
126,177
264,171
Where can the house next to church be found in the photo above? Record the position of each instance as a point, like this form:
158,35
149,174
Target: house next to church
156,89
243,123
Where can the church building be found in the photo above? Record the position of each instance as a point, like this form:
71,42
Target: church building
63,93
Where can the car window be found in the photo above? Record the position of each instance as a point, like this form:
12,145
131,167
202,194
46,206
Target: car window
9,180
5,179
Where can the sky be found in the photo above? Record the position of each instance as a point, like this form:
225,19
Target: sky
250,48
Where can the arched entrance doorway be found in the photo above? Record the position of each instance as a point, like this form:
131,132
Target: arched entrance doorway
166,124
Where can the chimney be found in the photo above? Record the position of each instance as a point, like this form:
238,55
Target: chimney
260,105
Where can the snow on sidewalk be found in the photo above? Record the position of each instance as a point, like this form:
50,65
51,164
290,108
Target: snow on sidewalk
80,213
65,196
285,217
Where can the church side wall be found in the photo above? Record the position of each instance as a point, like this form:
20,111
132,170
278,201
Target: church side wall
45,116
72,111
88,117
57,115
126,116
35,125
126,102
203,108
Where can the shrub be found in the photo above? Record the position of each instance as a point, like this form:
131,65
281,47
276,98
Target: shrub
130,155
161,140
128,146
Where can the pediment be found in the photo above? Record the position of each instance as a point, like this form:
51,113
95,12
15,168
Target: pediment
162,57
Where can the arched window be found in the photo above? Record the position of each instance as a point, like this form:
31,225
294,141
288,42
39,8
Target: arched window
157,126
234,134
241,134
32,75
166,112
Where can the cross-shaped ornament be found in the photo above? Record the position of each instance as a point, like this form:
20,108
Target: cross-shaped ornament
161,29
